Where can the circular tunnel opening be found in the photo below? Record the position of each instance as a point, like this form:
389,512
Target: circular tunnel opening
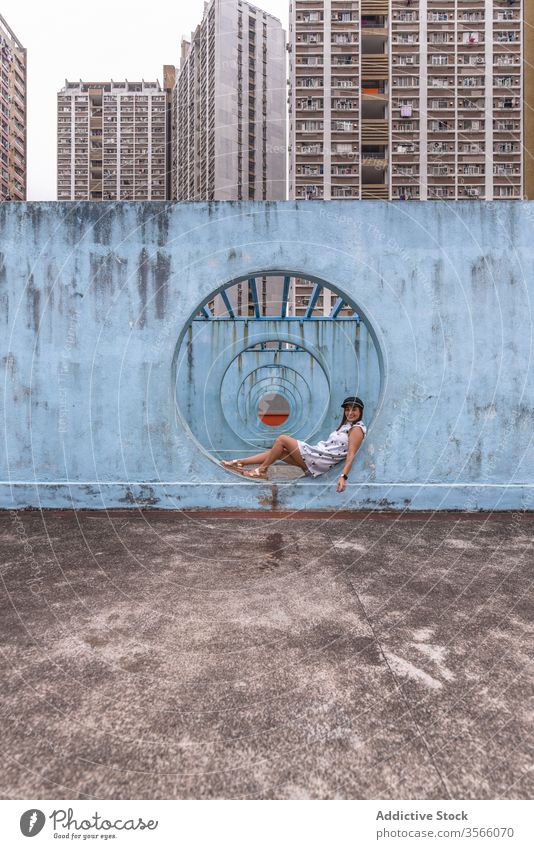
273,409
272,353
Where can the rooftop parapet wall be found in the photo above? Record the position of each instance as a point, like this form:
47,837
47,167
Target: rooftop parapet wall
96,297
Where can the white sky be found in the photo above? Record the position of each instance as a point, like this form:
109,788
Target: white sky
113,40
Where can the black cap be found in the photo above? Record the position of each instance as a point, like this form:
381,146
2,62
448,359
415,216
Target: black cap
353,401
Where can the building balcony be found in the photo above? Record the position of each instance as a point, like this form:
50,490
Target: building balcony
374,8
347,192
379,31
374,90
374,130
375,66
378,162
374,191
346,173
19,146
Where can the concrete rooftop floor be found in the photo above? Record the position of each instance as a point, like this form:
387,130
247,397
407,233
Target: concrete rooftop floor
162,655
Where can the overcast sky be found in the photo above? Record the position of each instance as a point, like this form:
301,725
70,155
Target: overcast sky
112,40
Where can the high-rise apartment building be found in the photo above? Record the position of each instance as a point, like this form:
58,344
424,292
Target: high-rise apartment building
229,124
408,99
12,115
112,141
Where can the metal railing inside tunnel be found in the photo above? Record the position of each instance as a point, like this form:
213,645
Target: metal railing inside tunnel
287,297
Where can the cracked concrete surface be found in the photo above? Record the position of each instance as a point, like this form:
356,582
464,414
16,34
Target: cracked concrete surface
169,655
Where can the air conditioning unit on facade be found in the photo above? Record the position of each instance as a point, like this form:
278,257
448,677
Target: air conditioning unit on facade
473,192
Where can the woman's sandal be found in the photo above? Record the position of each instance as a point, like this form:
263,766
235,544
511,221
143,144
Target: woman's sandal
256,474
232,464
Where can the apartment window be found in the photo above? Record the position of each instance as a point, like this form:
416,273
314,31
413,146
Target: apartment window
439,59
344,82
343,126
343,192
310,126
471,104
472,191
342,38
507,36
407,192
507,59
312,16
440,15
472,147
505,15
504,82
470,37
439,37
310,148
506,125
312,103
311,192
405,148
342,170
310,170
406,82
472,16
439,126
473,59
504,170
311,60
440,103
506,191
405,16
472,126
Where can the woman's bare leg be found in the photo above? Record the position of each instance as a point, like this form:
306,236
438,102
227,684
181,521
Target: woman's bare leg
292,461
285,448
256,458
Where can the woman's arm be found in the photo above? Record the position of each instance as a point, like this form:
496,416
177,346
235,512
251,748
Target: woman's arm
356,435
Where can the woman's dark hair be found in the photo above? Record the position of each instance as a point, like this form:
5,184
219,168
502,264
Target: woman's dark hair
344,419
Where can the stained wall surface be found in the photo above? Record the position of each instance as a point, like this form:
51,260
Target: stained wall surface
96,298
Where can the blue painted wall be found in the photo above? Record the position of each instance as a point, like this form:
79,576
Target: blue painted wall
95,299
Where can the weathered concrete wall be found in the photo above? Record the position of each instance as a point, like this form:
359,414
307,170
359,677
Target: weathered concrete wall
95,298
